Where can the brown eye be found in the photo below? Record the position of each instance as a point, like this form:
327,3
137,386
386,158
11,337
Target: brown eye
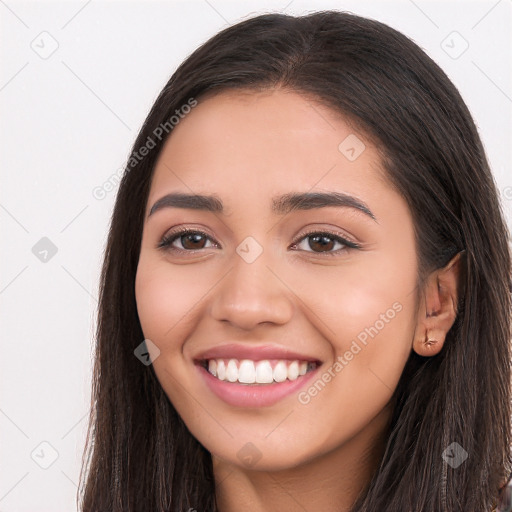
192,241
189,240
321,243
324,243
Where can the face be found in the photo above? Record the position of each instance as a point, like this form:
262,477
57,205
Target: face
326,287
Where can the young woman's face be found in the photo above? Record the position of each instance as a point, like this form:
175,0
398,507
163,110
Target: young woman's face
275,287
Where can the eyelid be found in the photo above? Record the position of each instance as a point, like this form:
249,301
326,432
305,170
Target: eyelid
173,234
346,241
333,232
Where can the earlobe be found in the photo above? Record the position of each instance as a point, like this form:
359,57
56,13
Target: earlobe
439,306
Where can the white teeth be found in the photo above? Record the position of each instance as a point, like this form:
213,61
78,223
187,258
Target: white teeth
264,373
260,372
247,372
232,371
221,370
212,367
280,372
293,370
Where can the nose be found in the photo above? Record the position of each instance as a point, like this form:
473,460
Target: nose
252,294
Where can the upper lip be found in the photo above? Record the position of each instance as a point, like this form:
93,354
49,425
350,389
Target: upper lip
253,352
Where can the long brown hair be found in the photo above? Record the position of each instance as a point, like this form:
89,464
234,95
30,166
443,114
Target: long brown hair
139,454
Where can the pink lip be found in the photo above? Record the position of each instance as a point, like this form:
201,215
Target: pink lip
253,395
255,353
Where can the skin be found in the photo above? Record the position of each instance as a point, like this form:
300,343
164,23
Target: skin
245,148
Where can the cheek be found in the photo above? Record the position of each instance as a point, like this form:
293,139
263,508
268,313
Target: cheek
369,322
368,316
359,300
166,299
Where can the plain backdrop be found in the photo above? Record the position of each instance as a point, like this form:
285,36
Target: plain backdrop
76,81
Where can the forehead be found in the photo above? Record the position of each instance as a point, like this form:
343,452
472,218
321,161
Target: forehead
245,144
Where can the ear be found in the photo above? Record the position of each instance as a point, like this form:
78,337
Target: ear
438,307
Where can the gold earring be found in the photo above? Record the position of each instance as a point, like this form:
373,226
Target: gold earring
429,341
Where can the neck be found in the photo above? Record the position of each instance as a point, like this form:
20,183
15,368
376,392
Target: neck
330,482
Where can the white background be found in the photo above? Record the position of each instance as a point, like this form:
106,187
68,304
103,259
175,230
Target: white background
67,125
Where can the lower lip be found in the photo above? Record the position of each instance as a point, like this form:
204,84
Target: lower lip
253,395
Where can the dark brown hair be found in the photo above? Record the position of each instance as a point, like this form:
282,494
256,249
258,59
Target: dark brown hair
141,456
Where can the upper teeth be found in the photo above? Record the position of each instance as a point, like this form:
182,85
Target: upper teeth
260,372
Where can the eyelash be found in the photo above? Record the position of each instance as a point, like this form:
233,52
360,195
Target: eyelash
168,239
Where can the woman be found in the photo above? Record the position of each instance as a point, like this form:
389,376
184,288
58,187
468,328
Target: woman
305,298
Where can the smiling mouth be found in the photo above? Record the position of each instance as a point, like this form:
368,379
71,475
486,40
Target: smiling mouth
264,372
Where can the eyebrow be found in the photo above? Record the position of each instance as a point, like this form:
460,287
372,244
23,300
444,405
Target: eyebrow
281,205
